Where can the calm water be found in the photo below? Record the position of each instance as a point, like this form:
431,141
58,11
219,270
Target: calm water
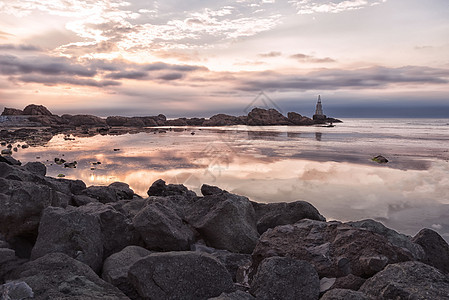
328,167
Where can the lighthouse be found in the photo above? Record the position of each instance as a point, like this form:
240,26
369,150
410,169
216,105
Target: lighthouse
319,116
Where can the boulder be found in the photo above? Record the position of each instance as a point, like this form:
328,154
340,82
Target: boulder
58,276
333,248
237,295
34,109
180,275
223,120
435,248
297,119
208,190
274,214
112,193
16,290
117,230
122,190
12,112
162,229
72,232
350,282
9,159
37,168
407,280
8,262
285,278
339,294
116,267
225,221
89,120
263,117
116,121
159,188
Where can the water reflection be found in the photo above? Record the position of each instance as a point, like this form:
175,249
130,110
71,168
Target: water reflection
318,136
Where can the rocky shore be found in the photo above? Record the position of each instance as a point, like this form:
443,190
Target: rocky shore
60,239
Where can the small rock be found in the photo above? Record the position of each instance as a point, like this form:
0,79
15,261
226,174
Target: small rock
380,159
6,152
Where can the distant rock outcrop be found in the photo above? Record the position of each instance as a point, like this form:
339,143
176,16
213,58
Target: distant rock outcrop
264,117
36,110
12,112
224,120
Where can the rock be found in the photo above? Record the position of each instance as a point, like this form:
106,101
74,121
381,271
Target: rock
333,248
397,239
103,194
263,117
208,190
285,278
408,280
237,295
58,276
34,109
274,214
339,294
116,121
223,120
435,248
117,230
162,229
72,232
122,190
89,120
134,122
225,221
116,267
12,112
297,119
47,120
195,121
16,290
326,284
149,121
37,168
176,122
159,188
80,200
6,152
9,160
8,263
180,275
350,282
380,159
6,255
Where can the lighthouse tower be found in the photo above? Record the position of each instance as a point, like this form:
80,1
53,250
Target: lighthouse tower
319,116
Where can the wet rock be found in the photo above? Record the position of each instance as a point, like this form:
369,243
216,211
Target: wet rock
34,109
12,112
274,214
285,278
408,280
16,290
333,248
58,276
297,119
237,295
339,294
225,221
72,232
435,248
180,275
162,229
208,190
9,160
116,267
263,117
380,159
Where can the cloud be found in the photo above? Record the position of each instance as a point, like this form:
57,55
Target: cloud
171,76
270,54
311,59
20,47
54,80
4,35
336,6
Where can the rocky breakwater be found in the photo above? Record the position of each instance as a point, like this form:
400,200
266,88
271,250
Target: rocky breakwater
62,240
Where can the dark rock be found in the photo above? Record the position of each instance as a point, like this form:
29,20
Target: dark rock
297,119
117,230
58,276
116,267
9,160
285,278
16,290
237,295
80,200
103,194
162,229
149,121
195,121
12,112
180,275
47,120
159,188
263,117
223,120
89,120
36,168
129,208
176,122
340,294
333,120
350,282
72,232
8,263
225,221
408,280
275,214
7,152
208,190
122,190
116,121
34,109
333,248
134,122
435,248
380,159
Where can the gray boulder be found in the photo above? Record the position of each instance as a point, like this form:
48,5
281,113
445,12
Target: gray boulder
37,168
16,290
237,295
180,275
408,280
340,294
116,267
58,276
435,247
208,190
275,214
225,221
159,188
285,278
72,232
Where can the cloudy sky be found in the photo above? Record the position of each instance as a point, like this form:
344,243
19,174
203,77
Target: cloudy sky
194,57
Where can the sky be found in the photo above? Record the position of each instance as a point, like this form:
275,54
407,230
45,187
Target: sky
366,58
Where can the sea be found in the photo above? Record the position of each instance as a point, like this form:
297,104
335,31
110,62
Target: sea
330,167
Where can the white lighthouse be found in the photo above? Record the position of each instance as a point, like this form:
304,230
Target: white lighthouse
319,115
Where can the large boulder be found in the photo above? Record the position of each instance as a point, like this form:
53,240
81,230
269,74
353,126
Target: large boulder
340,294
333,248
12,112
116,267
408,280
275,214
297,119
34,109
72,232
262,117
160,188
58,276
435,247
180,275
162,229
285,278
112,193
8,263
223,120
225,221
